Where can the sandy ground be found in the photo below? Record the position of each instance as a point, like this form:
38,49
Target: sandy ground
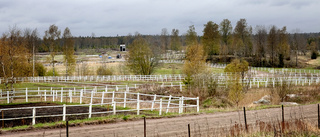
201,125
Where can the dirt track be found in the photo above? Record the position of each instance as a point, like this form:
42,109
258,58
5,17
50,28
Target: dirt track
201,125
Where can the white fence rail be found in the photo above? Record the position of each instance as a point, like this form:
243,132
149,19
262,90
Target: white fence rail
135,101
155,78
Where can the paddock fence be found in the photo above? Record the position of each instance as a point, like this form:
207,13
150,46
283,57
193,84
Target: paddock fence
117,101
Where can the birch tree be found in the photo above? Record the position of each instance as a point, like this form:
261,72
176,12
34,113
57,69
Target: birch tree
51,43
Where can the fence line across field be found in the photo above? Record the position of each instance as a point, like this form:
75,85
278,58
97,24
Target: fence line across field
267,80
155,78
125,99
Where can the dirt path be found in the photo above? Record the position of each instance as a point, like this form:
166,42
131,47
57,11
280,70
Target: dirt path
201,125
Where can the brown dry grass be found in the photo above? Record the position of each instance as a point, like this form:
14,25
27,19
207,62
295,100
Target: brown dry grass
253,95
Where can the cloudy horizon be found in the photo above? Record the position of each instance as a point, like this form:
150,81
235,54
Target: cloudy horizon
123,17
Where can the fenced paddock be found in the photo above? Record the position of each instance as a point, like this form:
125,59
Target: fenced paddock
113,102
253,80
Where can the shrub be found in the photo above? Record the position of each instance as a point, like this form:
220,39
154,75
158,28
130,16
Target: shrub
281,62
125,118
103,70
41,70
50,73
314,55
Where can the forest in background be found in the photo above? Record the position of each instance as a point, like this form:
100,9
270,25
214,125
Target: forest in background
261,46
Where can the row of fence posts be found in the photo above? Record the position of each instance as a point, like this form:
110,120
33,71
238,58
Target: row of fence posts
181,103
282,114
282,123
189,132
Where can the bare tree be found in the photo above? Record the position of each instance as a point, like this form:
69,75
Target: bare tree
68,51
175,43
242,36
299,44
51,43
260,42
272,42
31,39
13,56
191,36
225,29
164,39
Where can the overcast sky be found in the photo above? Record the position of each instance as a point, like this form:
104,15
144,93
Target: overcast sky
121,17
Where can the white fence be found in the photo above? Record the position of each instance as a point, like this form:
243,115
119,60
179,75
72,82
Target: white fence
251,79
155,78
136,102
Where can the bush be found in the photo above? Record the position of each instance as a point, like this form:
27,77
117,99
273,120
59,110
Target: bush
125,118
314,55
103,70
281,62
50,73
41,70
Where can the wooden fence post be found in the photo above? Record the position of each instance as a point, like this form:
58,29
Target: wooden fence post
282,117
145,127
113,96
125,99
45,95
61,97
102,98
318,117
33,116
64,110
138,103
81,94
114,108
160,107
53,95
245,118
154,99
168,104
8,97
90,110
91,97
56,94
198,104
26,94
2,118
67,128
189,130
70,95
180,106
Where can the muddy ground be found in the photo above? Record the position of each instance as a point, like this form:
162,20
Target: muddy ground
45,111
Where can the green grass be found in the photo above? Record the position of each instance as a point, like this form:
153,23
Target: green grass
216,70
169,68
163,71
33,85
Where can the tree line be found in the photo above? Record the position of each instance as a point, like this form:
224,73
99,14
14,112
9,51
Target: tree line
261,46
269,46
18,47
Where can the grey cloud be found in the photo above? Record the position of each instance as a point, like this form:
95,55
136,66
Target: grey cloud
110,18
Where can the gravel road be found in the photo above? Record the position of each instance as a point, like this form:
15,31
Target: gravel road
200,125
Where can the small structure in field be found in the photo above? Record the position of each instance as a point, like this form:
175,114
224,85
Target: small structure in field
122,47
